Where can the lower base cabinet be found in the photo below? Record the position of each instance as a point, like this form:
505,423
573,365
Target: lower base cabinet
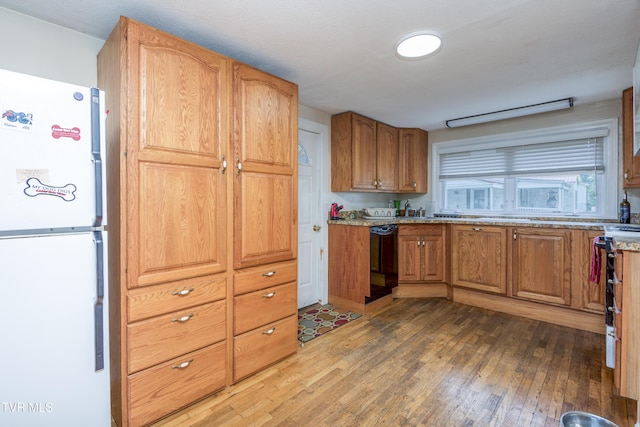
479,258
542,265
164,388
264,346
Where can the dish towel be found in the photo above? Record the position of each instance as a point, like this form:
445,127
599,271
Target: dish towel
596,262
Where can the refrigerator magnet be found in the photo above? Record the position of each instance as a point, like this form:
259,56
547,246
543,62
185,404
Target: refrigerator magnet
59,132
36,188
17,120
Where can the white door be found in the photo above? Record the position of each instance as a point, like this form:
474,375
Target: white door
310,219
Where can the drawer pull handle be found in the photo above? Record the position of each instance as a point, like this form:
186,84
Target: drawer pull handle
269,332
269,295
183,318
183,365
182,293
476,229
269,274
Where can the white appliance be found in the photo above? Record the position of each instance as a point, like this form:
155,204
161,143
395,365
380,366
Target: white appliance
54,360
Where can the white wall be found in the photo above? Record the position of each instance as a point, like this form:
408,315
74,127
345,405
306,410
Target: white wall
32,46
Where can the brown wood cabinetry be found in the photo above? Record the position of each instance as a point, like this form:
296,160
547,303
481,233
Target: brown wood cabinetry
349,269
364,154
542,265
265,168
586,295
627,319
479,257
265,316
371,156
412,160
626,322
170,196
387,158
421,253
630,163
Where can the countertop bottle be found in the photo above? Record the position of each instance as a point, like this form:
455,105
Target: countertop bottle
625,210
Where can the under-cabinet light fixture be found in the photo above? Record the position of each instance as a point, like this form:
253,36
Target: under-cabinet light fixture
543,107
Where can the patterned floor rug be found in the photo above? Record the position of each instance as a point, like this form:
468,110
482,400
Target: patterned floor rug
319,319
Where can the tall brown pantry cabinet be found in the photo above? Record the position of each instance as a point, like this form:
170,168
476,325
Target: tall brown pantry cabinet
176,187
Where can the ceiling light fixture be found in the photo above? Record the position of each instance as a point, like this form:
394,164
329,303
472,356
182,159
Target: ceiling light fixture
418,45
511,112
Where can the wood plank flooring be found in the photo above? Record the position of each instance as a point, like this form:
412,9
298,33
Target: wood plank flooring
425,362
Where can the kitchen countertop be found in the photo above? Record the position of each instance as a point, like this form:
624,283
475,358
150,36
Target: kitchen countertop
510,222
626,241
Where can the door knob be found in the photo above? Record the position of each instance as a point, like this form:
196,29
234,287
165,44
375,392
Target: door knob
316,228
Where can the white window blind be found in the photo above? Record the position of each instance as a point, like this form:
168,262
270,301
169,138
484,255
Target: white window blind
576,155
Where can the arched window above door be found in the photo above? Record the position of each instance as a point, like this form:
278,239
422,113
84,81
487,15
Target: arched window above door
303,157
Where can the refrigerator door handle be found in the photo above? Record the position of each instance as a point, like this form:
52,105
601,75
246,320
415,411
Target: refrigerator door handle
96,148
98,309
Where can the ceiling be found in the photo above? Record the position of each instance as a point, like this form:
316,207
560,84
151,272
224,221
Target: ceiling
496,54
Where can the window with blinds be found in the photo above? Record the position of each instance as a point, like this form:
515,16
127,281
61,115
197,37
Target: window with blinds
553,173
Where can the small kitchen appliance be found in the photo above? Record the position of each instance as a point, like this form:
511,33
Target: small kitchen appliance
335,209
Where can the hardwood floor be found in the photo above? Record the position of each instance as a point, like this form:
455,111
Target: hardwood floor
425,362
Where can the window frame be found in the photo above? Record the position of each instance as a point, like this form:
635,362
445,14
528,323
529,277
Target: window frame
607,204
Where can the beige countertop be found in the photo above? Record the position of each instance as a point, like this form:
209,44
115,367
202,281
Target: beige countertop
510,222
627,241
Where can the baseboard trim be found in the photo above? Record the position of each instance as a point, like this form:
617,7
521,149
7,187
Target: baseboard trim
547,313
420,290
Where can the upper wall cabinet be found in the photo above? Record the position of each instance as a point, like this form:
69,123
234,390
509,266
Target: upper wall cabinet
366,155
631,163
412,161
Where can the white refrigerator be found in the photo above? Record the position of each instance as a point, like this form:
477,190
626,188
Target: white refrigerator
54,359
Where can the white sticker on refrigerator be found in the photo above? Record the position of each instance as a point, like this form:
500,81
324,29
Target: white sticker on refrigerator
22,175
37,188
17,120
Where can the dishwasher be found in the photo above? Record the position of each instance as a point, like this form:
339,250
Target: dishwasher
383,261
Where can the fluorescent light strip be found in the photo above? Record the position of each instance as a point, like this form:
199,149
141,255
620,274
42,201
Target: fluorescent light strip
512,112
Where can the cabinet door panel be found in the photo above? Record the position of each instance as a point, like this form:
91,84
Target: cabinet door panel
177,114
542,267
387,158
592,293
181,101
266,121
479,258
266,219
179,227
363,153
412,165
409,259
265,146
433,258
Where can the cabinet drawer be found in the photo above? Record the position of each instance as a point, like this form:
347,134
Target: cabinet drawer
264,306
158,391
420,230
254,278
155,300
263,346
164,337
